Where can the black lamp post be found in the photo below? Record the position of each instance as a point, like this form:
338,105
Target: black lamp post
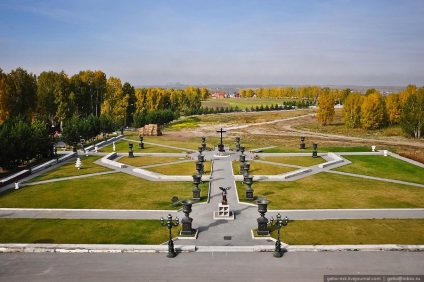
314,152
237,144
169,223
262,221
302,142
130,152
74,147
197,179
279,222
187,220
242,149
248,180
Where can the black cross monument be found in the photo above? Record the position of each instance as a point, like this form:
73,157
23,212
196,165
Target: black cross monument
221,146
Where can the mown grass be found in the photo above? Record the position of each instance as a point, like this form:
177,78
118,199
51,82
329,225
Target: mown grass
140,161
186,168
332,191
385,167
261,168
300,161
242,103
69,169
250,117
122,147
111,191
320,149
352,232
181,141
84,231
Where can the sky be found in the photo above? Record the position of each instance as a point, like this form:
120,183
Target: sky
204,42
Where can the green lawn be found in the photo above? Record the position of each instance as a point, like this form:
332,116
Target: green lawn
186,168
385,167
300,161
353,232
140,161
112,191
332,191
69,169
320,149
261,168
122,147
84,231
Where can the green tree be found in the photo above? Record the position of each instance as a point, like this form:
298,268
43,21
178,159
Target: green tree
412,117
130,92
373,111
352,110
5,98
72,130
23,93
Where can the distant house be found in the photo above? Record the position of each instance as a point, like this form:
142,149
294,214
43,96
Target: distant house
219,95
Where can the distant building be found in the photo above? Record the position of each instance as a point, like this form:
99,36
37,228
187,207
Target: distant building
219,95
236,95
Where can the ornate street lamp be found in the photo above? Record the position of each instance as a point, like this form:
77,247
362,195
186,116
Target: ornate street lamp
169,223
279,222
187,220
242,149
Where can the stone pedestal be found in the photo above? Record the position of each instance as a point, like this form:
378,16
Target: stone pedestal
223,212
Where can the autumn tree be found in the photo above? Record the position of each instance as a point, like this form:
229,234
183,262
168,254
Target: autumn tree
115,102
394,108
204,92
325,112
352,110
373,111
412,117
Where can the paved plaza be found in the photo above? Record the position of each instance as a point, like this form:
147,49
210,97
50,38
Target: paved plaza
222,234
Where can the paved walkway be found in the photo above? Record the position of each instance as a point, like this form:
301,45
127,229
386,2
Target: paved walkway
212,232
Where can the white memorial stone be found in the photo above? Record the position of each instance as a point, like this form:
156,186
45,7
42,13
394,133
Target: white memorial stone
373,148
385,153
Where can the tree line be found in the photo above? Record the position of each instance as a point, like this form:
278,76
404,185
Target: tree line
54,97
373,110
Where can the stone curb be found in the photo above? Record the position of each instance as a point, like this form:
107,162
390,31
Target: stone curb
92,248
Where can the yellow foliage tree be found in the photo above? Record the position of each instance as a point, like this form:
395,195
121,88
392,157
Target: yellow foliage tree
352,110
325,113
394,108
116,102
373,111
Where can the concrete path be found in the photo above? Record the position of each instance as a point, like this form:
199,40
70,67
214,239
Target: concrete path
217,232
